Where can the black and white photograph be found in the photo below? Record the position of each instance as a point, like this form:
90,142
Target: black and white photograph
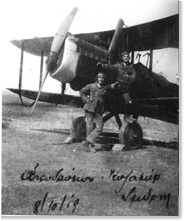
90,108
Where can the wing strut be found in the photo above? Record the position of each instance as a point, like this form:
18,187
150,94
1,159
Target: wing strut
20,77
41,68
151,60
21,66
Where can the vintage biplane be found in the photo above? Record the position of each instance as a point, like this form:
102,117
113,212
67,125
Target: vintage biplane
73,59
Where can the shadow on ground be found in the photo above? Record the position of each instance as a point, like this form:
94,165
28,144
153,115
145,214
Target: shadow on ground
107,140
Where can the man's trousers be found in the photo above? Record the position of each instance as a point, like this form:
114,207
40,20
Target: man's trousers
91,132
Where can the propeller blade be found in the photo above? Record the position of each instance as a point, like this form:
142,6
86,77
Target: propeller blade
40,89
62,31
116,36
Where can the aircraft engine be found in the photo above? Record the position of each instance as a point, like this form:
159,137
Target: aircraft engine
76,52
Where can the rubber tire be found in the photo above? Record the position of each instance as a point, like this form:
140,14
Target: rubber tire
131,136
78,129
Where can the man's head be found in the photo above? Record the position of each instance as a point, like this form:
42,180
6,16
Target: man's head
101,77
125,56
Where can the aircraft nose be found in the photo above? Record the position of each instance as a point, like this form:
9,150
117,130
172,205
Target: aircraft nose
68,62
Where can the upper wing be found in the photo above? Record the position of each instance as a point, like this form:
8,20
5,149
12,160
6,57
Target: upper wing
162,33
35,45
157,34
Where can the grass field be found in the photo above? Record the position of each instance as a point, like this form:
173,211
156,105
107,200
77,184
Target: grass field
143,182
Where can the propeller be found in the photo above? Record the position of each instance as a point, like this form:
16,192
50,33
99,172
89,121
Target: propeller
115,38
55,48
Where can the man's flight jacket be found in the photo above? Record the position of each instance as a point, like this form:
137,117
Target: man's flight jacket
95,102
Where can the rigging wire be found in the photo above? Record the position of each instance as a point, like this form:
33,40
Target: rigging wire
159,58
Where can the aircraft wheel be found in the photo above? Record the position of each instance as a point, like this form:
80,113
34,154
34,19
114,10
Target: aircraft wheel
131,136
78,129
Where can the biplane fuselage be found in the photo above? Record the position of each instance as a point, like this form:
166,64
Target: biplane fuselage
77,66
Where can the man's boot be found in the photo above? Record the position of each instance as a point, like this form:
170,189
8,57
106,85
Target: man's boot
86,143
90,146
129,119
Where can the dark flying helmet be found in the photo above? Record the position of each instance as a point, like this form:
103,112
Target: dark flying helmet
124,53
100,73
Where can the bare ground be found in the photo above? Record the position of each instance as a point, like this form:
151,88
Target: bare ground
39,138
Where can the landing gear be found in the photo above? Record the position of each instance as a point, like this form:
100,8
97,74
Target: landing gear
131,136
78,129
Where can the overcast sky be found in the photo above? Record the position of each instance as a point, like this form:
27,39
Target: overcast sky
40,18
30,18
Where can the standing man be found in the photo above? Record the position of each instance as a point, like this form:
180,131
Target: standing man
126,76
93,96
